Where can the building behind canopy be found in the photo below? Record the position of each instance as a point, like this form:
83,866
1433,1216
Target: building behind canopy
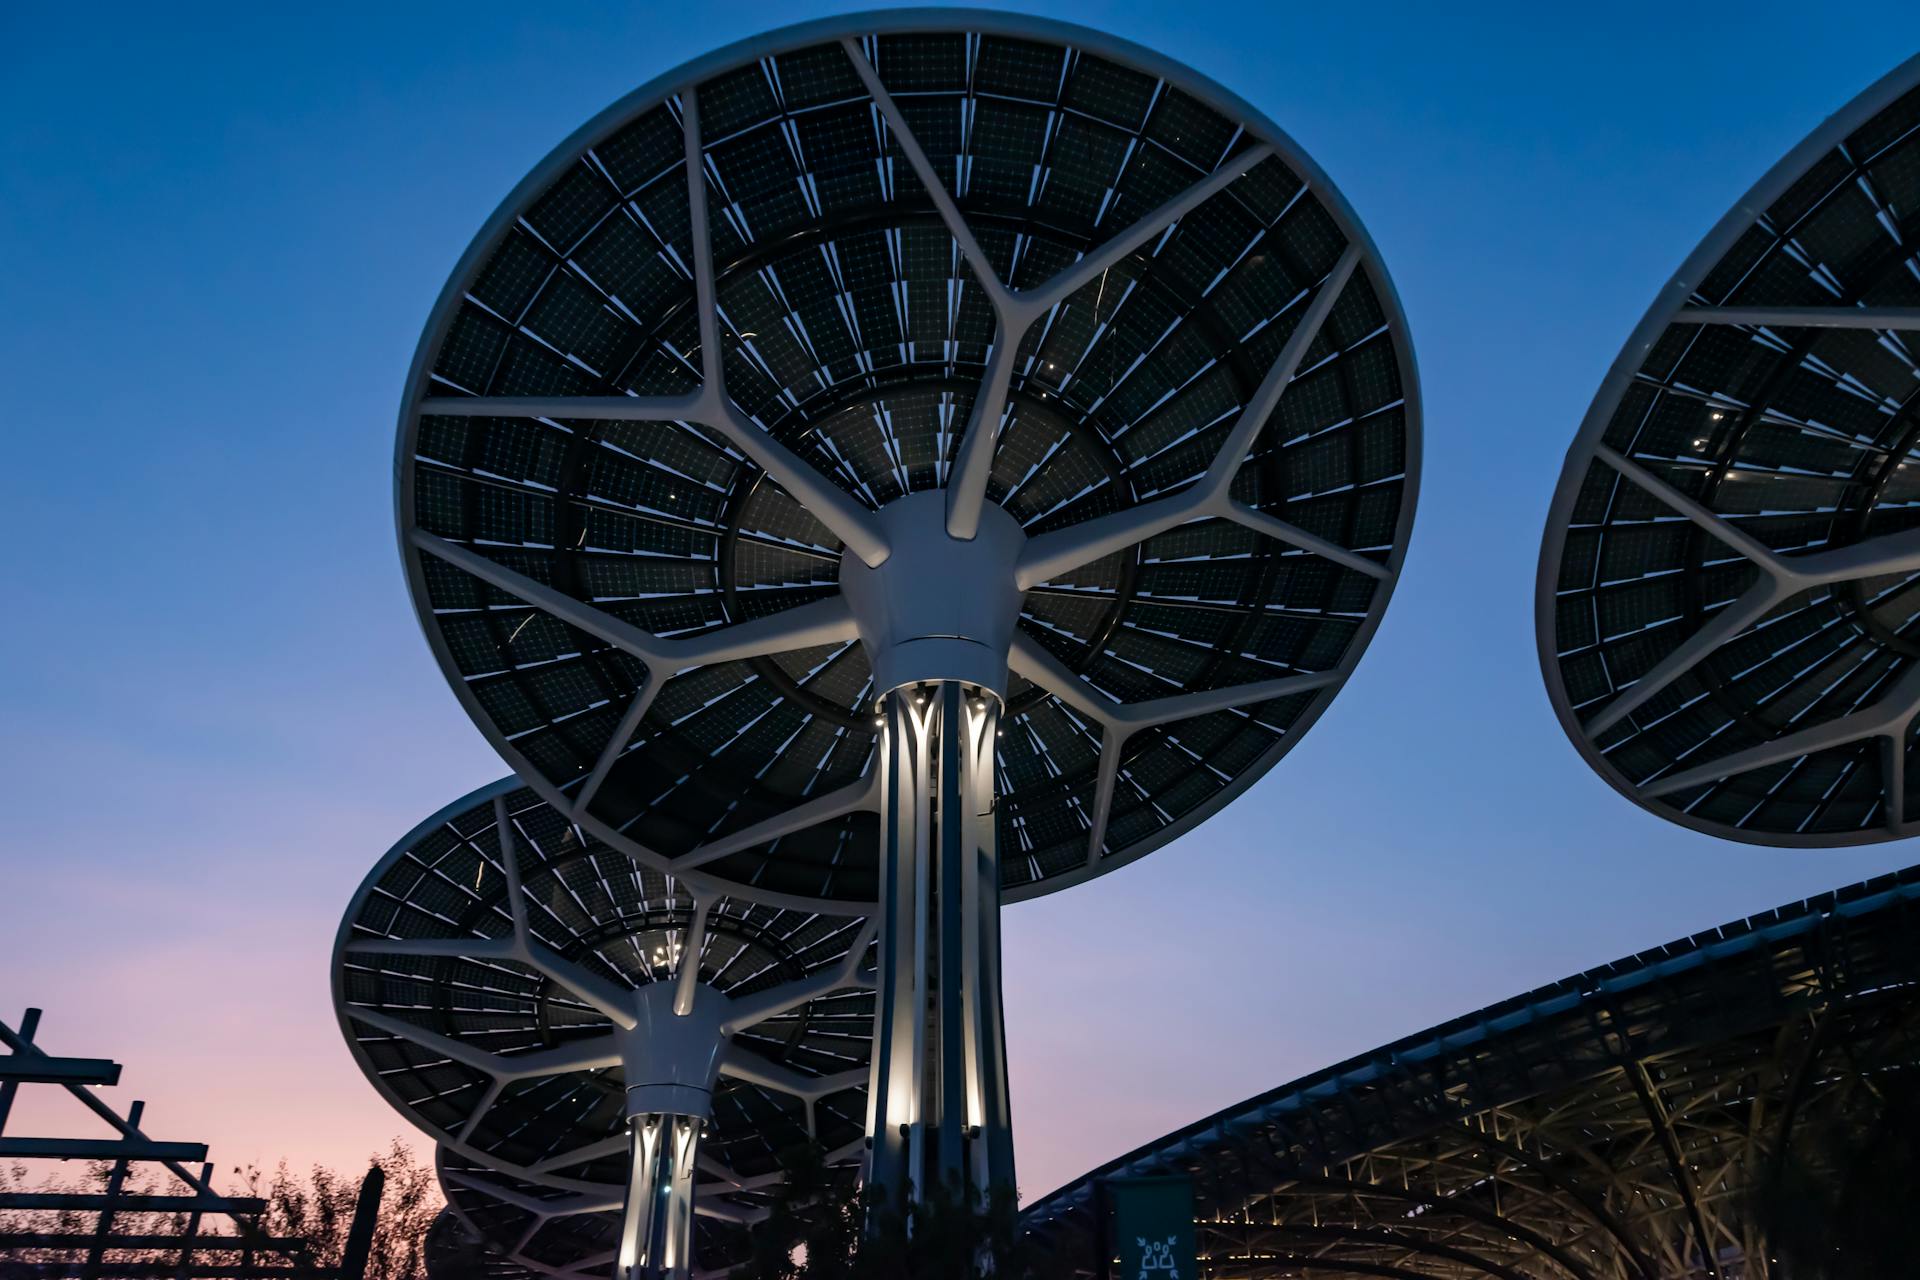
1628,1123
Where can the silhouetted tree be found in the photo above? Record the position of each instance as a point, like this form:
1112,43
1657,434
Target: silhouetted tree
821,1227
1840,1201
319,1209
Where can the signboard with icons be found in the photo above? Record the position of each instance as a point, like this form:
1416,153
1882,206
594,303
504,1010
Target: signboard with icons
1152,1228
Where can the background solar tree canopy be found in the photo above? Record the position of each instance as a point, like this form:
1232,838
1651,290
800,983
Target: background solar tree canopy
527,1228
1037,316
1727,598
454,1251
554,1013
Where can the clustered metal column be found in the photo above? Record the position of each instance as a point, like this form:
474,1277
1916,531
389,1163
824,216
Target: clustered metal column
939,1113
656,1231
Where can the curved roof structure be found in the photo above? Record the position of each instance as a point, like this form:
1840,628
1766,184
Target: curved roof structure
1612,1126
527,1228
1726,602
482,1015
1036,268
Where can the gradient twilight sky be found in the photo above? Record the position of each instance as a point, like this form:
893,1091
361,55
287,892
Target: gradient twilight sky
220,232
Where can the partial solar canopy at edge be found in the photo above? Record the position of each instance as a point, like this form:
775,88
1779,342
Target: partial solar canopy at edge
1726,606
853,331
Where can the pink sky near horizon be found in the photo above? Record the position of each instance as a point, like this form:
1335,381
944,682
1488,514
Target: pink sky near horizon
261,1073
1122,1024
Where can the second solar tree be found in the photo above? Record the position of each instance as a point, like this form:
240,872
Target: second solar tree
589,1046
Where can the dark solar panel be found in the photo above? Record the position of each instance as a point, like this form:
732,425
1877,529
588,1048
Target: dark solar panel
524,1228
1729,613
454,1252
442,1015
854,332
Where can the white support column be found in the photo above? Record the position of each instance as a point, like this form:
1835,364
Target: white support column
989,1107
656,1230
1838,316
938,1100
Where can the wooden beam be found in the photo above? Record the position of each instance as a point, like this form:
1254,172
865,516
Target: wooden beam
23,1069
248,1205
100,1149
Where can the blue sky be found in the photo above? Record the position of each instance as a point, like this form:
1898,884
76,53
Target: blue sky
220,232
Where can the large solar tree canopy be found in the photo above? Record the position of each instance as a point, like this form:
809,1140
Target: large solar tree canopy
1727,599
1130,335
908,459
554,1013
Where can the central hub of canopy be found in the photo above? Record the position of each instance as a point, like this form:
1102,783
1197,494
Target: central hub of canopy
939,607
672,1059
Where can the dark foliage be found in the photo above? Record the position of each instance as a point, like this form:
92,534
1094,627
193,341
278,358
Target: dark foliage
317,1210
1841,1202
821,1227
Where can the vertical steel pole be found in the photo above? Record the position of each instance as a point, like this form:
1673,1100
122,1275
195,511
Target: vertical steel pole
951,996
366,1221
115,1181
192,1233
893,1093
991,1119
656,1232
938,1115
28,1026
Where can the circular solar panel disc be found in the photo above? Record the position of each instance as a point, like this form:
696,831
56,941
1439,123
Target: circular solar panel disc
500,1061
1728,616
650,421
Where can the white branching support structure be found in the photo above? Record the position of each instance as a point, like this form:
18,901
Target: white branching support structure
1119,721
870,537
711,407
1017,310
